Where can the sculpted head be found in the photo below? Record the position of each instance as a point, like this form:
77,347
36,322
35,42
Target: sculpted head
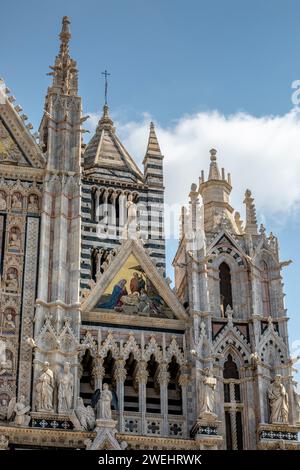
277,379
45,366
67,366
105,386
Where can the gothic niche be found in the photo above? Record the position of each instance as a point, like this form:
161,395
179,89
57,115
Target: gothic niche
17,201
8,320
14,239
3,201
152,388
131,397
87,385
11,280
232,405
225,288
33,203
265,285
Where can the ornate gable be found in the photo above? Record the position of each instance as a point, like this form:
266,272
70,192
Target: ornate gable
131,285
17,145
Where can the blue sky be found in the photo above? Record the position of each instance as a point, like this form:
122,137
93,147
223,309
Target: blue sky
172,59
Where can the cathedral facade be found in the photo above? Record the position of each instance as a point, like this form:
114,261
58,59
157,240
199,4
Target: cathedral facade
97,351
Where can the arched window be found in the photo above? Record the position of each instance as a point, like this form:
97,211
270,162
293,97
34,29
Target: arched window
131,396
93,205
152,388
87,385
265,289
233,406
94,264
225,287
174,389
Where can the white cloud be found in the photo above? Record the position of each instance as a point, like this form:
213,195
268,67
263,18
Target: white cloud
261,153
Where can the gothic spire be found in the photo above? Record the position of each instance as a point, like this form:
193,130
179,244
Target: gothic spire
64,71
153,145
153,160
214,173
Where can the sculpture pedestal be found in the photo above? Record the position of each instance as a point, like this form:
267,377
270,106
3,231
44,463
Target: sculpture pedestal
205,432
278,436
105,438
51,420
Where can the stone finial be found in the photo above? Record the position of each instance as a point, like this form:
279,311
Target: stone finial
214,173
251,220
64,71
105,121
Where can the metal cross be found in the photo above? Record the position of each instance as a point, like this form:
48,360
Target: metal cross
106,74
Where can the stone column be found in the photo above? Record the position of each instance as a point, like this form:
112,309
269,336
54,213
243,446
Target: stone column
142,377
163,380
105,210
97,203
112,212
122,213
183,382
120,376
232,414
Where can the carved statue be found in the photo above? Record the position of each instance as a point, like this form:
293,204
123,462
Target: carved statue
8,321
19,411
16,201
86,415
105,402
278,399
32,203
65,389
11,282
14,240
3,204
208,388
297,403
44,389
131,225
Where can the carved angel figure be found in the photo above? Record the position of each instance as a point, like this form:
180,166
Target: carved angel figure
86,415
18,411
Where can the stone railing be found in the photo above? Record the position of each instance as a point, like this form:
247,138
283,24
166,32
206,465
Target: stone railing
152,424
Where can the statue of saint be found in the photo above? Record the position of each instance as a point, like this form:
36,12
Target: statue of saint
11,282
44,389
65,389
105,402
3,204
278,399
14,241
16,201
207,392
32,203
131,225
